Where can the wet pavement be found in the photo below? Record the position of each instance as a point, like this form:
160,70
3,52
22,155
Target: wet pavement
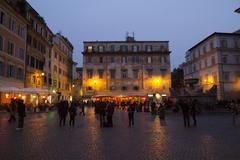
215,138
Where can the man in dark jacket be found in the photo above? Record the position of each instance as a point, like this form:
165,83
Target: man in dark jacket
131,111
185,110
21,113
72,113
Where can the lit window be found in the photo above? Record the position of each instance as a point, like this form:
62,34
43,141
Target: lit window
148,48
100,48
135,48
149,59
89,48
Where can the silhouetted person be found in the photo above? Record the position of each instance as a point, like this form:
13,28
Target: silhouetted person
185,110
102,113
12,110
21,113
194,111
131,110
161,111
110,111
82,108
72,113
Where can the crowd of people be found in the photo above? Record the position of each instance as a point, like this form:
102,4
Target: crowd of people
17,106
104,109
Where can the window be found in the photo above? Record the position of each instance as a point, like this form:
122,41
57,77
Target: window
49,64
136,88
89,73
124,74
55,68
60,59
112,59
135,48
148,48
237,58
13,25
226,76
20,74
1,43
162,48
10,48
112,48
211,45
89,48
1,68
194,68
123,48
32,62
34,43
27,60
223,43
135,59
163,72
55,55
100,48
237,76
165,59
11,70
149,60
100,73
59,71
135,73
89,88
205,62
149,72
224,59
236,43
89,60
123,59
204,49
112,73
21,53
37,63
2,17
124,88
100,59
213,60
29,39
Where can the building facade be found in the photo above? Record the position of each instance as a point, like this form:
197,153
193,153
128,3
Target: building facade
13,31
39,43
215,62
77,83
61,67
126,68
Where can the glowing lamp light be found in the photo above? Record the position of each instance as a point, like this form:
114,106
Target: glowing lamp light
158,96
42,74
6,95
73,85
164,95
54,91
19,95
34,96
150,95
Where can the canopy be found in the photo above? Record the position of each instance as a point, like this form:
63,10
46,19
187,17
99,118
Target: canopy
35,90
9,89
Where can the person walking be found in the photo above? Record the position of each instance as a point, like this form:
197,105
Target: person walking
21,113
72,113
185,110
194,111
82,108
131,115
12,111
162,111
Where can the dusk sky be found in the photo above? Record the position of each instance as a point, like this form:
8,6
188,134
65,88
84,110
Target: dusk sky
182,22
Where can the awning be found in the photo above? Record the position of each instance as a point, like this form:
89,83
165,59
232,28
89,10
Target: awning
9,89
35,90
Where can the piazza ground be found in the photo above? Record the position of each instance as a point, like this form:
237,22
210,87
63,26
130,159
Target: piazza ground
215,138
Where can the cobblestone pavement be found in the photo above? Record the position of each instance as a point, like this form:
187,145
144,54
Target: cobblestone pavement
215,138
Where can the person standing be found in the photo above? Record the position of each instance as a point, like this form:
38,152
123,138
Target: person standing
72,113
12,111
21,113
131,115
162,111
102,113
